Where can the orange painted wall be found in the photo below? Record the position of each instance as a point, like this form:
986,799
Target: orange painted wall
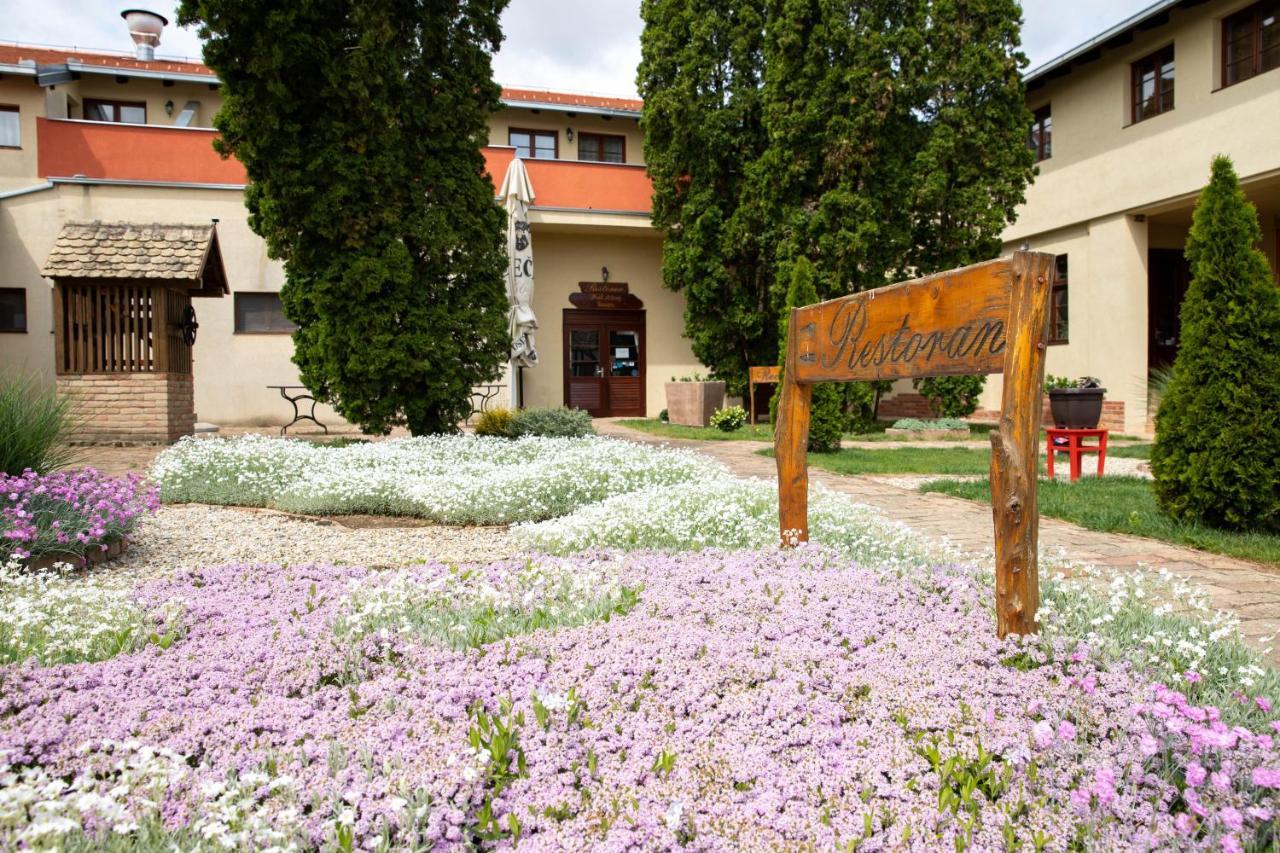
578,185
132,152
150,153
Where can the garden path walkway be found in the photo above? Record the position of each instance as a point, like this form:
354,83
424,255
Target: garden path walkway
1252,590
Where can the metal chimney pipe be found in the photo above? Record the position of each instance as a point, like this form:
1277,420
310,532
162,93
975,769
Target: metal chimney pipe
144,29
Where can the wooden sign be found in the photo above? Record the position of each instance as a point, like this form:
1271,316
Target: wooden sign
764,375
605,295
768,375
987,318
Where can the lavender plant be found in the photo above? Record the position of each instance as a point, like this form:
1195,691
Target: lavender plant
749,698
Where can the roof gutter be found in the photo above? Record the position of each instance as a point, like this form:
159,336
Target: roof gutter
126,182
47,185
26,68
1099,40
145,73
517,103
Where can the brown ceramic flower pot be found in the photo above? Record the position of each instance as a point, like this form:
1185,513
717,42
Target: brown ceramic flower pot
1076,408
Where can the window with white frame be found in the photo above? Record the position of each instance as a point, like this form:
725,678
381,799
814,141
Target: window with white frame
10,127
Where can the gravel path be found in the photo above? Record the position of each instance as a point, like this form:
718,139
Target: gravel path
196,535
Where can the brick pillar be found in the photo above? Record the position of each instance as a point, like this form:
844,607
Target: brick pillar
135,408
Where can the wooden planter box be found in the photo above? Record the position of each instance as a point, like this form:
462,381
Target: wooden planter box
693,403
926,434
92,558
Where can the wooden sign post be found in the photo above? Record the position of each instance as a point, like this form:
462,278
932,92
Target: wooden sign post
986,318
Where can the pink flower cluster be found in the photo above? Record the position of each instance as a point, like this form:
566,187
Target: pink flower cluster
68,513
758,699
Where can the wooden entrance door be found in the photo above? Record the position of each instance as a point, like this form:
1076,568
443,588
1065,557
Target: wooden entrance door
604,357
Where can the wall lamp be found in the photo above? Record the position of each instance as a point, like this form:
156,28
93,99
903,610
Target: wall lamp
604,274
168,108
568,134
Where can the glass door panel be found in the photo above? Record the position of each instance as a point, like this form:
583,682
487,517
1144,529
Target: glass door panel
584,353
624,353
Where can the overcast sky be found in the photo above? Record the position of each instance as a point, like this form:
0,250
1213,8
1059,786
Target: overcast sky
573,45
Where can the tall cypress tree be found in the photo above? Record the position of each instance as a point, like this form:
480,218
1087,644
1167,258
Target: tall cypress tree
897,134
1217,453
700,79
360,125
878,138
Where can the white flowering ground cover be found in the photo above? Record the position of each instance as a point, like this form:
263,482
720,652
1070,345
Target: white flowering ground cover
668,679
67,615
722,511
451,479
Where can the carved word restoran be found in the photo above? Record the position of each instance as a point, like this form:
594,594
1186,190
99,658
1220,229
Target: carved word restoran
904,345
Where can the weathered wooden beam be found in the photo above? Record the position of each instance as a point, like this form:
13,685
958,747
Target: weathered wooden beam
1015,445
791,448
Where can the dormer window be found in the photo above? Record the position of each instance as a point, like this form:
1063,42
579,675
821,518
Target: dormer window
121,112
534,144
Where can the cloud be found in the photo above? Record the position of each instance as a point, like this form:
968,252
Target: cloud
1051,28
95,25
573,45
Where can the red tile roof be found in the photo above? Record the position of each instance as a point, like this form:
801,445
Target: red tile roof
564,99
14,53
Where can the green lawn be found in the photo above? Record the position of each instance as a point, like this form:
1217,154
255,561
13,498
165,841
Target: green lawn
1124,505
928,460
902,460
653,426
764,432
1128,451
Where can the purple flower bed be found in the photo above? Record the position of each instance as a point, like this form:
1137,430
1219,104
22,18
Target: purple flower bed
759,699
67,514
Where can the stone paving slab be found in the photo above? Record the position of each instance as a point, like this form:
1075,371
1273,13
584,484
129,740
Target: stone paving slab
1252,590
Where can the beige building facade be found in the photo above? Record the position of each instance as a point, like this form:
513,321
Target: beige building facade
1126,126
113,138
1134,118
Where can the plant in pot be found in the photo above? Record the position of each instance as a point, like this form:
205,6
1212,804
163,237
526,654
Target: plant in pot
1075,403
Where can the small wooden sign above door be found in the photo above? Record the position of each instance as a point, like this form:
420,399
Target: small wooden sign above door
605,295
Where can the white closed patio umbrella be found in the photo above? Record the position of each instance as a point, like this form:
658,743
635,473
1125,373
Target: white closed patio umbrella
517,195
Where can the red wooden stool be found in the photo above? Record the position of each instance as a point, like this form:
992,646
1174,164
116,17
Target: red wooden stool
1071,442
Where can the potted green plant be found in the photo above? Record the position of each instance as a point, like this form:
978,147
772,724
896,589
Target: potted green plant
1075,403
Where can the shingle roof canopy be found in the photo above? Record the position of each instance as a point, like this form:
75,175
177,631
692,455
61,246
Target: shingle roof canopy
185,256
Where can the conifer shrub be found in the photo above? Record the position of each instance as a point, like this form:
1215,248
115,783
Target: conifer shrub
1216,458
827,417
